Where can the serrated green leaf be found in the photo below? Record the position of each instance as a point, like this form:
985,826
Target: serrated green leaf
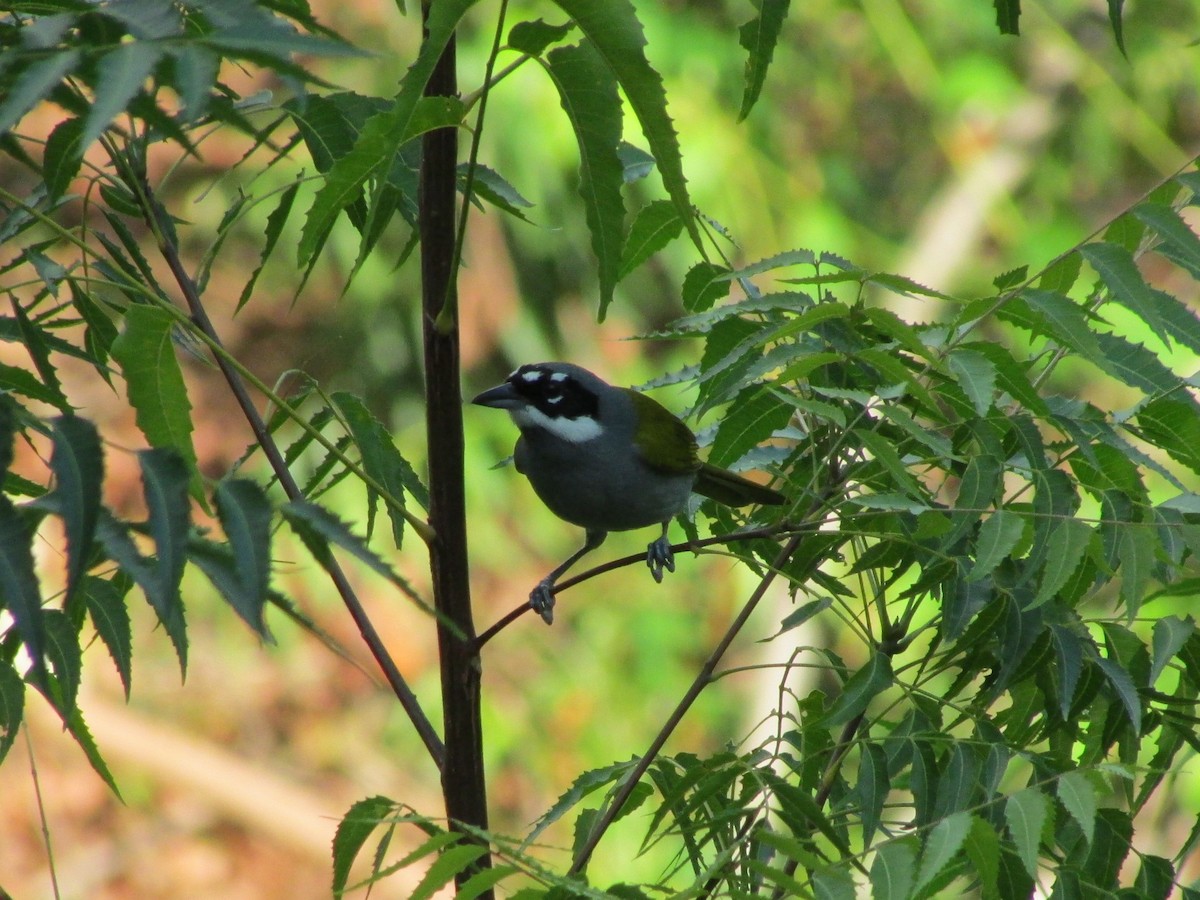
120,75
83,737
873,787
656,225
245,514
1169,636
1179,243
63,156
1110,846
885,454
77,462
1174,426
1025,812
19,592
382,135
1060,276
753,417
275,222
1136,545
982,847
12,707
363,817
1134,365
941,846
64,658
861,688
893,870
703,286
36,343
614,28
1078,797
450,863
165,480
580,788
976,494
35,84
587,89
1125,283
1114,18
1156,879
833,884
317,527
998,535
1124,688
1065,548
976,375
154,385
110,617
758,38
381,461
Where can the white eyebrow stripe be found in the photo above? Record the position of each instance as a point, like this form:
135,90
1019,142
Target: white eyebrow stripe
558,376
531,375
574,431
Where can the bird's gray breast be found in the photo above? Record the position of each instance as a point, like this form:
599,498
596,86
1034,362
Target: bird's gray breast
599,484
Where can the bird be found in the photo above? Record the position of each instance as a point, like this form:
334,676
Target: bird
607,458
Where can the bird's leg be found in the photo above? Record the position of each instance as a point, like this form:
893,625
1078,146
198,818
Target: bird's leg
659,555
541,598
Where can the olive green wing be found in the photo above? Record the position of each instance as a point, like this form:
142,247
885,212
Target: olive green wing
662,440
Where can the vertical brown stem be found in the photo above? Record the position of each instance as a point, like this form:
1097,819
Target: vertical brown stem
462,774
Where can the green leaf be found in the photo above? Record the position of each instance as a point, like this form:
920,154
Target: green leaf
275,222
1058,316
165,480
382,135
532,38
1173,425
1178,242
63,156
873,787
1114,17
120,75
703,286
1119,272
83,737
613,26
861,688
363,817
882,449
1078,797
12,707
381,461
450,863
154,385
1110,846
758,37
1124,688
1025,813
64,658
753,417
1067,543
318,528
588,92
580,788
1136,544
245,514
1008,14
1169,636
1060,276
19,592
35,84
941,846
36,343
998,535
110,617
77,462
976,376
893,869
1156,879
982,847
976,495
656,225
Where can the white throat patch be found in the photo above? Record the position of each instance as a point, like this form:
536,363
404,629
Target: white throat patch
576,431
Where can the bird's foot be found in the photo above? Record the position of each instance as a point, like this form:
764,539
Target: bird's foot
541,600
659,556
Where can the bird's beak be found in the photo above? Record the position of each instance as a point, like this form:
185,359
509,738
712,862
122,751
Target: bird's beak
502,396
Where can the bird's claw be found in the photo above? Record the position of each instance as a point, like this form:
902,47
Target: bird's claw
659,556
541,600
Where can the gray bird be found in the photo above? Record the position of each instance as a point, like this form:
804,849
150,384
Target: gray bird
607,459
